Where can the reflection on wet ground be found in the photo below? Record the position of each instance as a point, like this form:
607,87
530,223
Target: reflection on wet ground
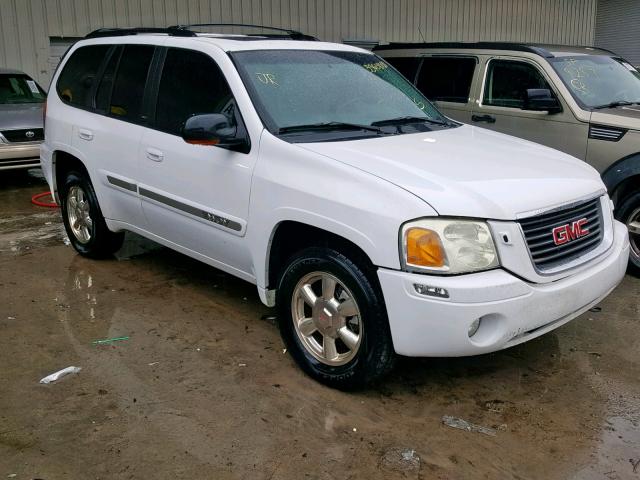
202,389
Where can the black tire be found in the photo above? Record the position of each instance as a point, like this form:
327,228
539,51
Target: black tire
102,242
374,357
627,210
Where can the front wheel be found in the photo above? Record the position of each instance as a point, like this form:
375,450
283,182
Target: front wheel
628,212
83,220
333,319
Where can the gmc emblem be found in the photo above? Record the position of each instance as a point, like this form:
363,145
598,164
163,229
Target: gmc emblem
569,232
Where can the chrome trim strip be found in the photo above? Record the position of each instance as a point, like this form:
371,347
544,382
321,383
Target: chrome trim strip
543,211
132,187
212,217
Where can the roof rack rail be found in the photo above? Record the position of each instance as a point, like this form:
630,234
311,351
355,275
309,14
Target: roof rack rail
117,32
281,32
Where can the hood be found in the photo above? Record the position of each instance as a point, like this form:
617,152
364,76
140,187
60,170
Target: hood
623,117
470,171
14,116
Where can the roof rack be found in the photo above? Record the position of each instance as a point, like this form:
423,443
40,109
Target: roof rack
539,50
185,31
118,32
281,32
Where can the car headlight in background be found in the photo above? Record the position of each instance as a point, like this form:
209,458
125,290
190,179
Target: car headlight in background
447,246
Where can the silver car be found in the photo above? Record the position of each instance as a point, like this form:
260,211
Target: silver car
21,120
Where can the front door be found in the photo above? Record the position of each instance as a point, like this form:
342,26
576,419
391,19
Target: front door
195,196
501,108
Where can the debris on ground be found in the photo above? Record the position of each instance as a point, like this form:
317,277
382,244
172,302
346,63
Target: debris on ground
109,340
595,309
461,424
59,374
635,464
153,363
401,459
242,364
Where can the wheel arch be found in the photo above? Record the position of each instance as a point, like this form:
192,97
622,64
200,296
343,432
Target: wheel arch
291,236
623,177
63,162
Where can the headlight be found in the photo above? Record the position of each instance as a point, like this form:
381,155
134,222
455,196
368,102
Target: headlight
447,246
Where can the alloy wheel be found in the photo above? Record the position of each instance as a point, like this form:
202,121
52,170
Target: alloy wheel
79,214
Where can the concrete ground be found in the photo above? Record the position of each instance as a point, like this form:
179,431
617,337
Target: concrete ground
202,388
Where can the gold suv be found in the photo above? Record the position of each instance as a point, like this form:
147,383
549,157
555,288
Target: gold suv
584,101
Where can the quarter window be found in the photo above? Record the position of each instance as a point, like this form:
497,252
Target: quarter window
128,89
507,83
76,80
447,79
191,84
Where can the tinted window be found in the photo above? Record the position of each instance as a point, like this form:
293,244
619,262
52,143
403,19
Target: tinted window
103,94
191,84
79,74
507,83
18,88
128,89
407,66
446,79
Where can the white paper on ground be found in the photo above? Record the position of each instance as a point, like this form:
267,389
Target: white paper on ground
59,374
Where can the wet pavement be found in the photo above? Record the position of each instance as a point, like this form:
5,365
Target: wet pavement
202,389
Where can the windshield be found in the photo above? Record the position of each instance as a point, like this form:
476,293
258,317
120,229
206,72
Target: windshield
296,90
597,80
16,88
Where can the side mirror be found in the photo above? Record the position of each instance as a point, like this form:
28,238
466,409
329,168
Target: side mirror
540,100
214,129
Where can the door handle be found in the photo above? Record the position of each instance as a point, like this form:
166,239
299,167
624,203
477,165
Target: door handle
483,118
155,155
85,134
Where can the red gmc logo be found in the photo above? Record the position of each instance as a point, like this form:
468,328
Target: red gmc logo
567,233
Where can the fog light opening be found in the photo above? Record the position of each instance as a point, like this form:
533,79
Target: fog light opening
431,291
473,328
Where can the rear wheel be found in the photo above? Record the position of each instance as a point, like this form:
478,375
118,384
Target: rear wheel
333,319
83,220
628,212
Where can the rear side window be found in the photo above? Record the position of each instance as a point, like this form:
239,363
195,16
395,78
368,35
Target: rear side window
75,83
447,79
507,83
191,84
407,66
131,77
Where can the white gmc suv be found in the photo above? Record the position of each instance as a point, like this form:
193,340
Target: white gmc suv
314,170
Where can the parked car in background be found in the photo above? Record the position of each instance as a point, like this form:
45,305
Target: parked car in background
317,172
581,100
21,120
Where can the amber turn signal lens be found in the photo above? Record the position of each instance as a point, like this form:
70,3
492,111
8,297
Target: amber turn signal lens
424,248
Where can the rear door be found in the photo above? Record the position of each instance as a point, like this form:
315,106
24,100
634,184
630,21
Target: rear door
108,126
501,107
447,80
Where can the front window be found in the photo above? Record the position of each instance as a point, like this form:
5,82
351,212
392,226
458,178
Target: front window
598,81
18,88
341,95
507,83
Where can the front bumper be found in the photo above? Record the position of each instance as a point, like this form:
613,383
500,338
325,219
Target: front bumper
19,155
511,310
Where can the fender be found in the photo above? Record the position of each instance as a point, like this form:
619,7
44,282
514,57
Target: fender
624,168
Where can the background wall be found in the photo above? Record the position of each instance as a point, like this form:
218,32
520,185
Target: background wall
618,28
34,33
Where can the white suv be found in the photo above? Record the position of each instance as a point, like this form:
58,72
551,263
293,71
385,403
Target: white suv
314,170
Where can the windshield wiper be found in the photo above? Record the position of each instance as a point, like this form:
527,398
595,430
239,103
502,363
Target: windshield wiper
327,126
407,120
618,103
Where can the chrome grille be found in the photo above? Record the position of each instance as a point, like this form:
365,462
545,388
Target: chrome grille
610,134
23,135
539,234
